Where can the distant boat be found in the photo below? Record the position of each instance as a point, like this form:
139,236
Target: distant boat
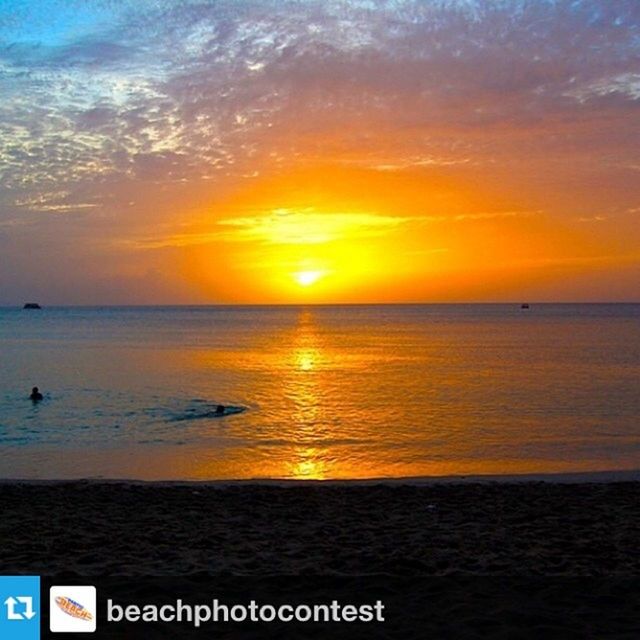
32,305
524,306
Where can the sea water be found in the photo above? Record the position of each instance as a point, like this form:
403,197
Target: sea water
357,391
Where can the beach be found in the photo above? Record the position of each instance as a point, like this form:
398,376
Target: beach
507,528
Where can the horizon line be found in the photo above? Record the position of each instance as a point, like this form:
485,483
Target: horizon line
20,306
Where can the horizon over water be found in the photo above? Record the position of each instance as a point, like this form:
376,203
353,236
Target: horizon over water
319,391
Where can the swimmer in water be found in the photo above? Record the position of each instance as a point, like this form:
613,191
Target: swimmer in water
36,396
219,409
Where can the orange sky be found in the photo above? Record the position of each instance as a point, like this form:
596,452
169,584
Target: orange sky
327,233
327,153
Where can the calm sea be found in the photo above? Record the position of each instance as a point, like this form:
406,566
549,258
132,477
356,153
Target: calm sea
319,392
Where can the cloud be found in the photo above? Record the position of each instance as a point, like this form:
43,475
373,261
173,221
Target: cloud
56,202
284,226
226,86
307,227
597,218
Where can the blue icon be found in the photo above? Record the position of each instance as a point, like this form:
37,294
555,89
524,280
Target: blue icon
20,607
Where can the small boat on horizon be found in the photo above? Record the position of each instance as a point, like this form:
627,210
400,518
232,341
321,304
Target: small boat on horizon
524,305
31,305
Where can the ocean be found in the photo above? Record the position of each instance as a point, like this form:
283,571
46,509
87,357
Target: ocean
319,392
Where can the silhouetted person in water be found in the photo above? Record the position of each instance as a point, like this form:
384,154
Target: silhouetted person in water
36,396
219,409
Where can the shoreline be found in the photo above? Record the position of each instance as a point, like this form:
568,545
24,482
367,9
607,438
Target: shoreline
578,477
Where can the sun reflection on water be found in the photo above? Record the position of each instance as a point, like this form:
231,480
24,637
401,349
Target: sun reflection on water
308,464
304,386
307,359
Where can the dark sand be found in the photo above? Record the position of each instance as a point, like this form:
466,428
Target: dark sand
530,528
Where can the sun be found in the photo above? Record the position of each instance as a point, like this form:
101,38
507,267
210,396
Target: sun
307,278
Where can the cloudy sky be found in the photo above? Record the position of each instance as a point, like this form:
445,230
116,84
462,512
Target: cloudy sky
284,151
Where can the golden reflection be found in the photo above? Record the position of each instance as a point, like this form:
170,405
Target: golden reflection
206,463
304,385
305,319
307,359
308,464
307,352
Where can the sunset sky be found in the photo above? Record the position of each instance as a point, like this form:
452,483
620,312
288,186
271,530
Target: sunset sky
319,151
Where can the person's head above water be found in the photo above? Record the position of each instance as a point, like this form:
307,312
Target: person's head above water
35,394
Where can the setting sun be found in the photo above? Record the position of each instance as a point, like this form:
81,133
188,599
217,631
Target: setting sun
307,278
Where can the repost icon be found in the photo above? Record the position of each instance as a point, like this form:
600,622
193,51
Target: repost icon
72,609
20,607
